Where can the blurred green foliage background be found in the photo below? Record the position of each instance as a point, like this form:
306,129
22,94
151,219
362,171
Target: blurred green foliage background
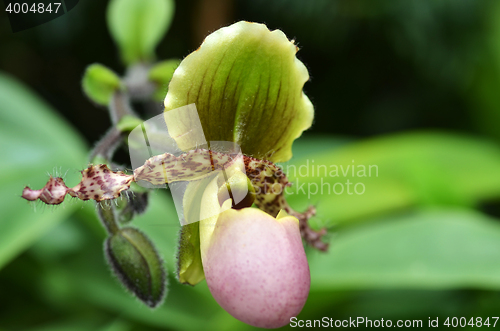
410,86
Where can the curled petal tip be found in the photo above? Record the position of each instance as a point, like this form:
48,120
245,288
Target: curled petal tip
52,193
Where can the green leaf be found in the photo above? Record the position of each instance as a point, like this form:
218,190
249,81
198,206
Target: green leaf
98,290
161,74
189,266
128,122
99,83
314,144
34,141
401,171
138,26
433,249
247,86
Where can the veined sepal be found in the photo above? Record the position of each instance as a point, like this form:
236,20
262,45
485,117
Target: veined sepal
247,86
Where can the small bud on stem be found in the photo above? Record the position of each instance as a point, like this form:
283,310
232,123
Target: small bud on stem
136,263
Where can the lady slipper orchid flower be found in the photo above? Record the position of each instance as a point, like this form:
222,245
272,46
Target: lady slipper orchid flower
247,85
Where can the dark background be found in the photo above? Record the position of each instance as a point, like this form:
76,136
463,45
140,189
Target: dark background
376,67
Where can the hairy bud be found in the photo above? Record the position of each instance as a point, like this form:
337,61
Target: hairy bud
137,265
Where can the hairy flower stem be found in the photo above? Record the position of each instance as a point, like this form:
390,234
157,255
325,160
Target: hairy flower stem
106,147
137,81
119,107
106,213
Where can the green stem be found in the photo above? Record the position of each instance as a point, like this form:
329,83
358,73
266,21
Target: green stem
119,106
106,212
106,147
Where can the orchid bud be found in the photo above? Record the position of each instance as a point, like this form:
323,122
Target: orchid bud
256,267
136,263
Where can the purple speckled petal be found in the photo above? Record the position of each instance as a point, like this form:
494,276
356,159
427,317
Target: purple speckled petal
256,267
